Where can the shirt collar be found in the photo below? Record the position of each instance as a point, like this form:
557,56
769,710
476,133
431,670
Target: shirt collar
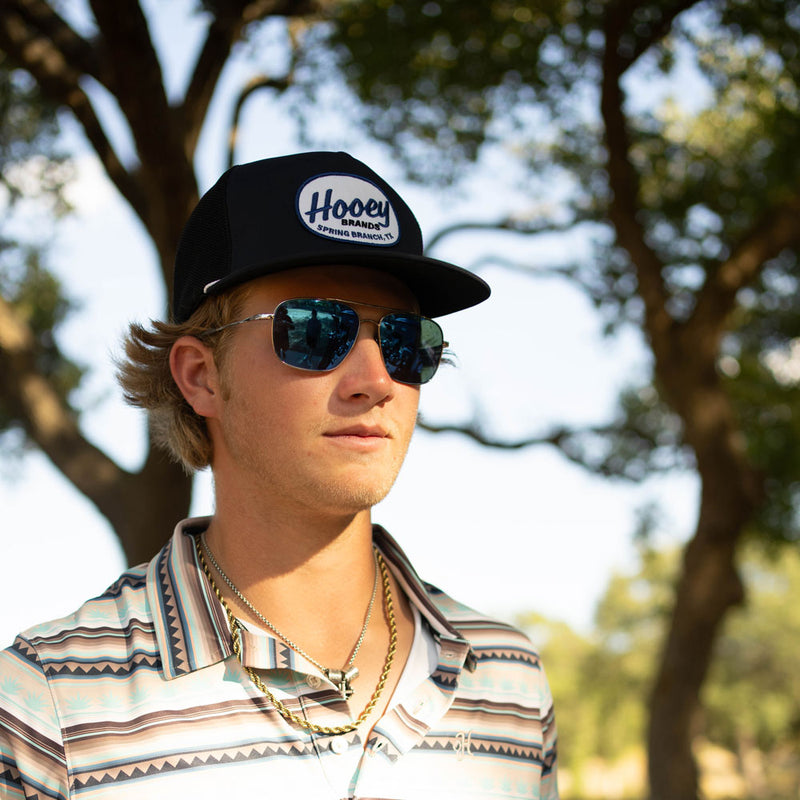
422,596
191,625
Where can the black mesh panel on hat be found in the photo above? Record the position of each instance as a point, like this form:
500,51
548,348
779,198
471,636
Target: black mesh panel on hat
204,251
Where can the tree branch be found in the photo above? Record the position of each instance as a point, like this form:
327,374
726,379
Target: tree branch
253,85
221,35
226,28
166,175
624,206
777,230
512,224
125,40
473,431
658,31
567,442
40,16
537,271
59,80
47,420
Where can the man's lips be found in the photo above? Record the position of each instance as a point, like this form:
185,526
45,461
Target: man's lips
360,431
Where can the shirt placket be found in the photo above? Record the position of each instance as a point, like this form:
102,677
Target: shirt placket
409,722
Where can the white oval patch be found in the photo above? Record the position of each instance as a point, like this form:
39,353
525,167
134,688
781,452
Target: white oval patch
347,208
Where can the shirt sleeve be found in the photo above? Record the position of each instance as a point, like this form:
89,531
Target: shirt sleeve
32,756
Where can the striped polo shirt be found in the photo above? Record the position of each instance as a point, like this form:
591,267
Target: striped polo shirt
138,695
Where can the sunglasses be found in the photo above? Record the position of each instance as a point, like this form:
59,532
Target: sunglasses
316,335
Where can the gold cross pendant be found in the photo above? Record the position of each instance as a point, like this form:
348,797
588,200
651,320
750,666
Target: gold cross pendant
342,679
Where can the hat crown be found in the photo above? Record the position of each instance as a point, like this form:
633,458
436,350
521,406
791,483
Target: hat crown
318,208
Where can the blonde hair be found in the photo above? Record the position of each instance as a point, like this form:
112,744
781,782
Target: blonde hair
146,379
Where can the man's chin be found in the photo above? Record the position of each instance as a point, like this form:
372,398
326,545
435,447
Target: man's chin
353,498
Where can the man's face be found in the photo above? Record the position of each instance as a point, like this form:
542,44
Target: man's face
328,441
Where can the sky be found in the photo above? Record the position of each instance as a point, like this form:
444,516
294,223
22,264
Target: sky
503,531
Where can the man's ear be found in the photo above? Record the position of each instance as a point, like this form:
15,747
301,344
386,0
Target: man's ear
195,372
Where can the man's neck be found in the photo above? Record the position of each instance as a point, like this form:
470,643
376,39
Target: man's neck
311,576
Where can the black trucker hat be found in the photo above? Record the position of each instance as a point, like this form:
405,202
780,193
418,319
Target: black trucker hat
309,209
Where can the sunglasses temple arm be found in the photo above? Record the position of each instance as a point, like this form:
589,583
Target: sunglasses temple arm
254,318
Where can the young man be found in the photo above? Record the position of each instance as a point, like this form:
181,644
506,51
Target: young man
284,646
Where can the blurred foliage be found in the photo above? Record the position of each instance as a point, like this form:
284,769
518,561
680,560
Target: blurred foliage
33,176
601,681
762,368
754,691
713,116
38,297
436,76
31,163
644,438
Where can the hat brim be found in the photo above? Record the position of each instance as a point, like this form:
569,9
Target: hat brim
440,288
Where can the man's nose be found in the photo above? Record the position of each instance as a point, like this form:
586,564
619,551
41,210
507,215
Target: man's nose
364,370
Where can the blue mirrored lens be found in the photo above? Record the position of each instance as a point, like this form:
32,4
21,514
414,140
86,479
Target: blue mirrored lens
313,334
317,334
411,347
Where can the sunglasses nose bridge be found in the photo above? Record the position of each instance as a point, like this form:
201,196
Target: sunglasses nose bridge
375,322
375,333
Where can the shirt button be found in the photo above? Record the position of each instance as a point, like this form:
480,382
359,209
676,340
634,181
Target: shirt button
313,681
339,745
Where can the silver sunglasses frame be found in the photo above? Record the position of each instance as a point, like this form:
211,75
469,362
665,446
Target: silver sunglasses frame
350,304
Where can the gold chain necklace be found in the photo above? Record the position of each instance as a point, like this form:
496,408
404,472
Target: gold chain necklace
236,643
341,678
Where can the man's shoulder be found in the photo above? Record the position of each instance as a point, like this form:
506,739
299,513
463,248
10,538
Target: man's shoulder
107,621
445,612
484,633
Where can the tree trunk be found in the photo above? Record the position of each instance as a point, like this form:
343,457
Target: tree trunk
145,511
685,354
709,586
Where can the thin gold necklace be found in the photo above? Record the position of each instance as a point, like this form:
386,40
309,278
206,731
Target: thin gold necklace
236,643
341,678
